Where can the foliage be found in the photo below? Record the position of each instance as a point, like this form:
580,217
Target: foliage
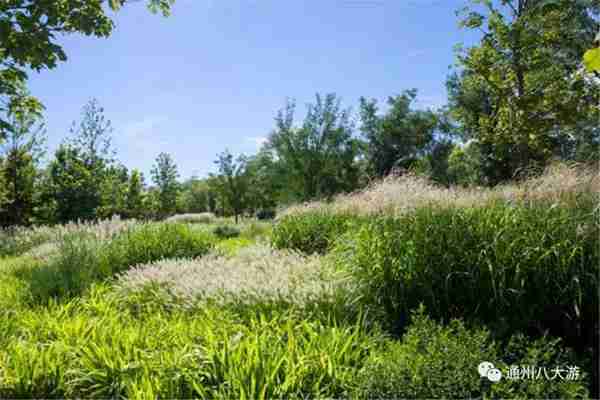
398,138
243,274
72,186
265,214
208,355
591,58
113,192
311,232
319,155
201,218
82,260
435,361
518,91
164,175
82,171
22,149
135,195
226,231
231,182
516,267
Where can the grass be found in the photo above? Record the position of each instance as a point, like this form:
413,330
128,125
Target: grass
368,296
83,259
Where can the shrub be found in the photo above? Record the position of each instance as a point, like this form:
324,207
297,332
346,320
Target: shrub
313,232
226,231
265,214
435,361
515,268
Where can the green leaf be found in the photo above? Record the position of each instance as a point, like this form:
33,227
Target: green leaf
591,60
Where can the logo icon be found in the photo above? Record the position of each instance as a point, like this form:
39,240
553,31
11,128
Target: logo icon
487,370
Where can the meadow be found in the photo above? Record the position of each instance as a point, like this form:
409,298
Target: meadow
397,291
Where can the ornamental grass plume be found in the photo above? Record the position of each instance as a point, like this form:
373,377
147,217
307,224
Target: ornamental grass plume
559,184
255,272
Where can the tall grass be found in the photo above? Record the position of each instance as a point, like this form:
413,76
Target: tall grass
517,268
18,240
82,260
396,195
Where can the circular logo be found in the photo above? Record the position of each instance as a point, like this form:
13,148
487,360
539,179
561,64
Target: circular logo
484,367
494,375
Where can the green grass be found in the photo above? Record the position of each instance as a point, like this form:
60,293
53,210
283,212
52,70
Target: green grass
312,232
514,284
83,260
516,268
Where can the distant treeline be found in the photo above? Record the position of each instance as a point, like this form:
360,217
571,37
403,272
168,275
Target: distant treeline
518,99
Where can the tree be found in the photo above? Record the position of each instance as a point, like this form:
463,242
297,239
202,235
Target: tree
319,155
23,147
266,181
135,195
518,92
73,186
92,136
81,166
397,138
113,192
165,175
231,182
29,28
591,58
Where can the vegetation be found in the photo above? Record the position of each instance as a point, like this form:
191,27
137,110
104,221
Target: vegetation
380,254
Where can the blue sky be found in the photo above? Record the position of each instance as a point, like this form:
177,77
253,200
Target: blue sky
213,74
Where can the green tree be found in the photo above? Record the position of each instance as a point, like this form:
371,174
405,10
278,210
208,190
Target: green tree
398,138
22,149
318,156
135,195
231,182
266,181
113,192
72,186
29,31
591,58
165,175
518,91
81,166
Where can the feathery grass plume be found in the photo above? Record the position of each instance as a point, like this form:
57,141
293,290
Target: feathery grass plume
19,240
256,272
394,195
199,218
82,259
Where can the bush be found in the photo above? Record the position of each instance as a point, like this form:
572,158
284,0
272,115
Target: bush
527,269
433,361
265,214
312,232
82,260
226,232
